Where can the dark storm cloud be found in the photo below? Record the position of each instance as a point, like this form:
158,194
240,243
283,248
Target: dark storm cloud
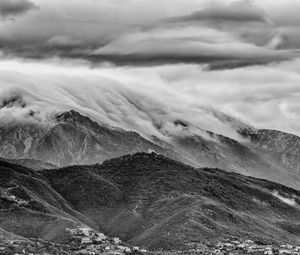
136,32
211,62
189,44
239,11
13,8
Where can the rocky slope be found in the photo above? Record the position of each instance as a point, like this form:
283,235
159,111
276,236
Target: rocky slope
72,138
279,148
213,150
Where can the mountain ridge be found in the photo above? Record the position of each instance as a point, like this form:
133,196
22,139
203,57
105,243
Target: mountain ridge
150,196
76,139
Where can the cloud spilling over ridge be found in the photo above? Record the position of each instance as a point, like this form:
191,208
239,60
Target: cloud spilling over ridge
13,8
149,65
153,100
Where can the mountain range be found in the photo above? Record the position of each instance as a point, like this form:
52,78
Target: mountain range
72,184
72,138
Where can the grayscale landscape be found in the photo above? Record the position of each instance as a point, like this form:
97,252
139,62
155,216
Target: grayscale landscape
149,127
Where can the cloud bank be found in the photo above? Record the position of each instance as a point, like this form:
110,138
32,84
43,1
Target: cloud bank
231,34
151,100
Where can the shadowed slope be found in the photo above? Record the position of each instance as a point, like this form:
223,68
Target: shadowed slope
31,208
157,202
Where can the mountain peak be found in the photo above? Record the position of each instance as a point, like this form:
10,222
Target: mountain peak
69,115
76,118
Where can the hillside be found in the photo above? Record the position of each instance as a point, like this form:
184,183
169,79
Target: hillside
31,208
279,148
158,203
35,219
147,200
243,157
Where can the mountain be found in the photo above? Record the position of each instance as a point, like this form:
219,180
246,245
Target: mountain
261,153
242,156
279,148
147,200
158,203
71,138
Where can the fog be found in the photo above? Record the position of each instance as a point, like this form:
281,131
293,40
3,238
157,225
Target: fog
151,99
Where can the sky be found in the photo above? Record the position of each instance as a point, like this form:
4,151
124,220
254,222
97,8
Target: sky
143,65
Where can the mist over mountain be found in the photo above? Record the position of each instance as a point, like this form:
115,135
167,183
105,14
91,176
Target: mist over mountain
73,138
140,127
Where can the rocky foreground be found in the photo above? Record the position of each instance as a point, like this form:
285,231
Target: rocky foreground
235,246
85,241
82,240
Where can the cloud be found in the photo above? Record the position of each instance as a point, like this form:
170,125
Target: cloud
153,100
63,42
242,18
132,98
13,8
232,35
284,15
277,42
140,33
192,44
217,11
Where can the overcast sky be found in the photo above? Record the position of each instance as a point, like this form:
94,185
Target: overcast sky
143,64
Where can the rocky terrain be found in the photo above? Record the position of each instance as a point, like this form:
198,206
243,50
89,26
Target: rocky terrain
279,149
85,241
72,139
236,246
82,240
